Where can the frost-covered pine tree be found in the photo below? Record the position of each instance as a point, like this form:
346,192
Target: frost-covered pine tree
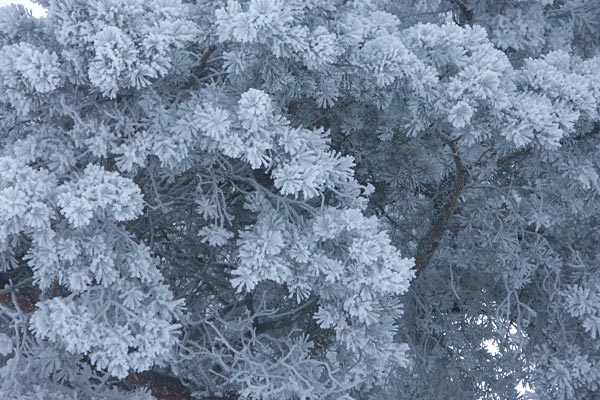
300,199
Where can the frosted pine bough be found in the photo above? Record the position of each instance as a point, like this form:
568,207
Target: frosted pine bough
230,194
103,302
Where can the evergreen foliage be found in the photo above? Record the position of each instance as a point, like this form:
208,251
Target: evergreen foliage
300,199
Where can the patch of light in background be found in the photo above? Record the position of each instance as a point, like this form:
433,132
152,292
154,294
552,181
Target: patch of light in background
36,9
524,391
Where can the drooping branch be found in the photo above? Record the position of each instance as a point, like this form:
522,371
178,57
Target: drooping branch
430,242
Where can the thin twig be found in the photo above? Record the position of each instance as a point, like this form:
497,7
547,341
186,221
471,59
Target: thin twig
12,288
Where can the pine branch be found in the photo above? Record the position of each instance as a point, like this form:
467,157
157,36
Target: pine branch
430,242
164,386
465,12
505,159
198,71
12,288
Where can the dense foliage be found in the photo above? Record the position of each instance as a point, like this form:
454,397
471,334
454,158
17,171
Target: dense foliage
300,199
